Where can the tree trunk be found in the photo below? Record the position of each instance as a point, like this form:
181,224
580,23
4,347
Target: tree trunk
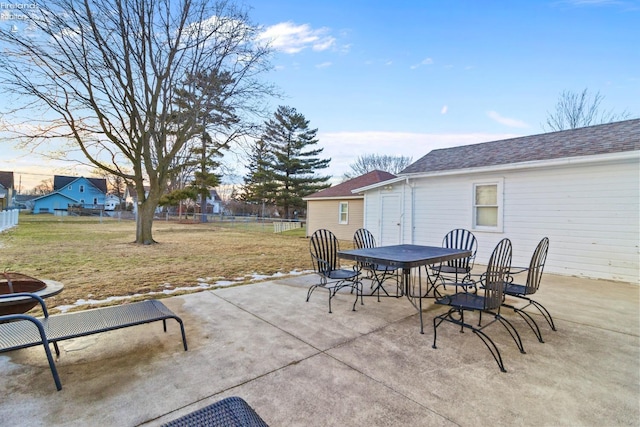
144,222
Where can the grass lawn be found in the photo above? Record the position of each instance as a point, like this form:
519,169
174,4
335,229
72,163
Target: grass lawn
96,259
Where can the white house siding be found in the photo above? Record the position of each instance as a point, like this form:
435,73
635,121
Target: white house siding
386,233
589,211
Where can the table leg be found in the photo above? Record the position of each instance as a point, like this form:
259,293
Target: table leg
406,279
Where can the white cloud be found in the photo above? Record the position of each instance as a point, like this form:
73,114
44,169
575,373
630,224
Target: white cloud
290,38
514,123
444,110
324,65
426,61
594,2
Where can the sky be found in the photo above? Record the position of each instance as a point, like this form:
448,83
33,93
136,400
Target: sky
406,77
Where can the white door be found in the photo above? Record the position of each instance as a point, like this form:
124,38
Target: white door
390,220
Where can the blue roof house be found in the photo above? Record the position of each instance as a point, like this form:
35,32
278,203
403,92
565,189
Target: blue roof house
88,193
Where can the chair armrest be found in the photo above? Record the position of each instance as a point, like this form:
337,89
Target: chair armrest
325,266
513,271
518,270
28,295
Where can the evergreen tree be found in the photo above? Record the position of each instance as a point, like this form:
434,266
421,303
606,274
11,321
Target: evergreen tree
288,172
218,114
258,189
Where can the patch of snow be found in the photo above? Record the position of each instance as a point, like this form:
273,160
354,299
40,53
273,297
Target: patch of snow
202,284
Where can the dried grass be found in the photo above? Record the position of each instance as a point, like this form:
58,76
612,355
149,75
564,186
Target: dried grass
95,258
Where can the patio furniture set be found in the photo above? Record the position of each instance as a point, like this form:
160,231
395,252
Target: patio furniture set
447,266
402,265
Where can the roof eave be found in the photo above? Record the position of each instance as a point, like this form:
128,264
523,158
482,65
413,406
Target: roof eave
379,184
625,155
356,196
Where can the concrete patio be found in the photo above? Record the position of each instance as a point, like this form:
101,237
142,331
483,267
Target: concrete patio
298,365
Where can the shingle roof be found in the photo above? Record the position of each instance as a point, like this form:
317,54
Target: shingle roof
61,181
344,189
6,179
601,139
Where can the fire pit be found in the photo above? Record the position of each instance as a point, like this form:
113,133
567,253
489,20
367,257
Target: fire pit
12,283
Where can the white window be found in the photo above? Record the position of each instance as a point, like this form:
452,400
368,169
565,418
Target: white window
487,206
343,213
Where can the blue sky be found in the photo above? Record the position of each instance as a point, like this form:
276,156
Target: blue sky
405,77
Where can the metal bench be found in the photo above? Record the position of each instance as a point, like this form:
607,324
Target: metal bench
21,331
230,412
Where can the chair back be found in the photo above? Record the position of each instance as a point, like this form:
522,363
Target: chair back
536,266
460,238
324,251
496,275
363,239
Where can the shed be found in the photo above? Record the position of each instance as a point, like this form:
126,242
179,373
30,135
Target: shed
579,187
338,209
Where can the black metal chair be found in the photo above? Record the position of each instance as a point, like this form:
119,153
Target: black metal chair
377,273
324,257
230,412
531,286
457,271
492,282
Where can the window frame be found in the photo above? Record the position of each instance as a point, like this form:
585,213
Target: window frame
499,184
343,212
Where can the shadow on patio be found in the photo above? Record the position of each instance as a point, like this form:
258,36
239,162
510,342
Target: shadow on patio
298,365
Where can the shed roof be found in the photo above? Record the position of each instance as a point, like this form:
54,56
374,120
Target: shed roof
601,139
344,189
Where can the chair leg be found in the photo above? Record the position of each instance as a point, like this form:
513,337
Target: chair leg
359,292
441,319
529,320
493,349
488,342
310,291
544,313
512,331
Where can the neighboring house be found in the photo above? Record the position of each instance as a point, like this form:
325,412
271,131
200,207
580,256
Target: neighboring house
213,202
338,209
580,188
87,193
111,202
7,192
24,201
131,197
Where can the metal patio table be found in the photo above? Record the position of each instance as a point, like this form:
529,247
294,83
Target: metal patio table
407,257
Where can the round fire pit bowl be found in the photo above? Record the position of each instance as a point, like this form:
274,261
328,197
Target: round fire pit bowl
13,283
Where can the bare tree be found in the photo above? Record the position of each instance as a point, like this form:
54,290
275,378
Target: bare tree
369,162
116,184
107,73
576,110
45,187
